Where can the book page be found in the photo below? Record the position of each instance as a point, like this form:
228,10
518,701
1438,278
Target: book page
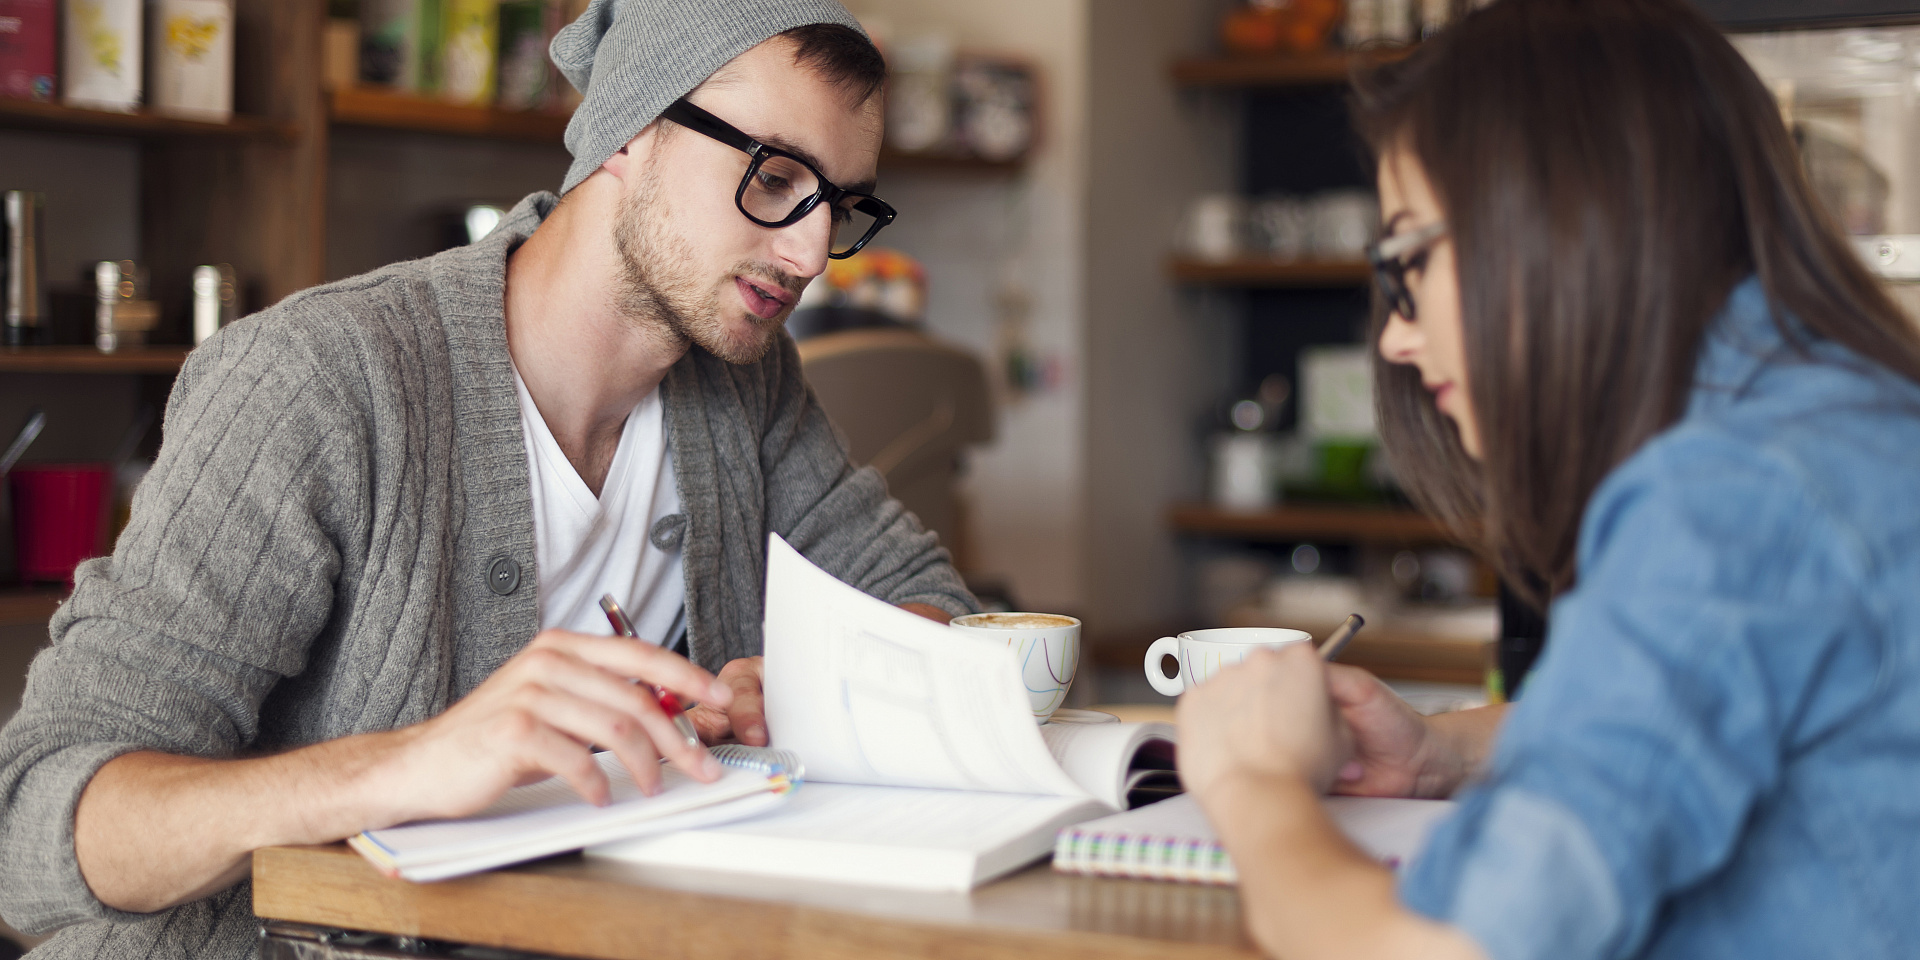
868,693
1098,756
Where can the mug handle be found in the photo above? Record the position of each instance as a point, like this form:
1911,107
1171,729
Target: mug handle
1168,686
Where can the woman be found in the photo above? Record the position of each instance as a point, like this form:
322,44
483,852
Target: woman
1625,344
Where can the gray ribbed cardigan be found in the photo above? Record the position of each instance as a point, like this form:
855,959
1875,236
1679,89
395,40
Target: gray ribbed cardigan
317,550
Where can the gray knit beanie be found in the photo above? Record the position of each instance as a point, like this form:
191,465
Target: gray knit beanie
633,57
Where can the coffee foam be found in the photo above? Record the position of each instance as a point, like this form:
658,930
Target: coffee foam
1015,621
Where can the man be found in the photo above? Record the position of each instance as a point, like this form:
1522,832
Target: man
375,494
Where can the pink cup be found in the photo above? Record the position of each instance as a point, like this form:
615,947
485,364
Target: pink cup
59,517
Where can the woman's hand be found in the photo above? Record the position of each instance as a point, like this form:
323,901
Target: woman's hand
1396,751
1391,742
1270,716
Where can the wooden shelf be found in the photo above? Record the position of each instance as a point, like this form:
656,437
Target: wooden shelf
59,118
89,360
29,604
1359,524
1261,272
1329,68
367,107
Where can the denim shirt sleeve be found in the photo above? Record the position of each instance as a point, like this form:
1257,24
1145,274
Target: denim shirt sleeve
1718,623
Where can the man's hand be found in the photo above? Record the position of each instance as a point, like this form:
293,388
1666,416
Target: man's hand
743,719
1268,716
539,715
153,830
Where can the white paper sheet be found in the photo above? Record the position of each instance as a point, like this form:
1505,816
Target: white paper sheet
869,693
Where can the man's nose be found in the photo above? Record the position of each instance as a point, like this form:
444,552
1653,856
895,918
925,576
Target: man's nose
802,247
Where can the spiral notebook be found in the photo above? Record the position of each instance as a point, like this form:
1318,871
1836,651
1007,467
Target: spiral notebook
546,818
1172,840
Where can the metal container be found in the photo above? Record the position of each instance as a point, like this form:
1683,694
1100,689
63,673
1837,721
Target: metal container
118,309
26,296
215,300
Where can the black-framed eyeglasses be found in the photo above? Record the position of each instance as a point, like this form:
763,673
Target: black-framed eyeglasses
1394,255
780,189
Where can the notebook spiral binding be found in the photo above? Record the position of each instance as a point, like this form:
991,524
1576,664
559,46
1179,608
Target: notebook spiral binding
771,761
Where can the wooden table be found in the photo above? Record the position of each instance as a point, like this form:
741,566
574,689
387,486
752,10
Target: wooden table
585,907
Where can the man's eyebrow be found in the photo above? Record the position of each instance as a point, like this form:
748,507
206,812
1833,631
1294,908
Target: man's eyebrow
787,146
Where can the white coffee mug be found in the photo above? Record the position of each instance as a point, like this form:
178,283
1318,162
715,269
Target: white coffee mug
1048,648
1203,652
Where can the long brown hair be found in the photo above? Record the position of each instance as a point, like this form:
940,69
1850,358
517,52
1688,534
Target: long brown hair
1609,171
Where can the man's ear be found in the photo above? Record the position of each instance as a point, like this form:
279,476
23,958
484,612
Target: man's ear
632,158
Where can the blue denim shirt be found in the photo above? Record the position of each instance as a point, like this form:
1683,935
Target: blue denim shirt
1719,752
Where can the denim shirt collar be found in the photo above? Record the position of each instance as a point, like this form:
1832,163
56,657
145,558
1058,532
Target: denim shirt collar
1743,339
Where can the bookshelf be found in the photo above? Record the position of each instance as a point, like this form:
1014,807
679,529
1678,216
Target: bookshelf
80,359
245,191
27,605
59,118
384,109
1262,272
1383,525
369,107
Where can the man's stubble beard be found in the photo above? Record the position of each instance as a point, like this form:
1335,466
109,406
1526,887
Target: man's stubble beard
658,291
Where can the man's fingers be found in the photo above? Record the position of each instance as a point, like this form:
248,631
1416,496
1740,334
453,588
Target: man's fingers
642,661
546,748
710,722
626,710
747,713
589,722
690,757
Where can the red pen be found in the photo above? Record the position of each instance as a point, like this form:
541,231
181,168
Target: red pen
668,702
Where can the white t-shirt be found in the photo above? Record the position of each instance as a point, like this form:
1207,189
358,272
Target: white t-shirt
586,546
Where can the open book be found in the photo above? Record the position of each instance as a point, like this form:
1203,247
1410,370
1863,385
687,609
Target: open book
541,819
924,766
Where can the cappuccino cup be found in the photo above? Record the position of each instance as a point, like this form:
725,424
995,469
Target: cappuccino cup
1047,646
1202,653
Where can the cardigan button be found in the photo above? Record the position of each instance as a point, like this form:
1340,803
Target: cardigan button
668,531
503,576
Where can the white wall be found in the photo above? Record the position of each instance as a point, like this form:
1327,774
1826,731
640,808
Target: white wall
983,238
1158,358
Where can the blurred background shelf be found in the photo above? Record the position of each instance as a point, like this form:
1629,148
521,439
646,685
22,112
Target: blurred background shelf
1310,522
28,605
1326,68
59,118
367,107
164,360
891,159
1262,272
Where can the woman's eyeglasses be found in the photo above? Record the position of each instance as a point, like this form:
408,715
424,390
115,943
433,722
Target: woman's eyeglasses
780,189
1394,255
